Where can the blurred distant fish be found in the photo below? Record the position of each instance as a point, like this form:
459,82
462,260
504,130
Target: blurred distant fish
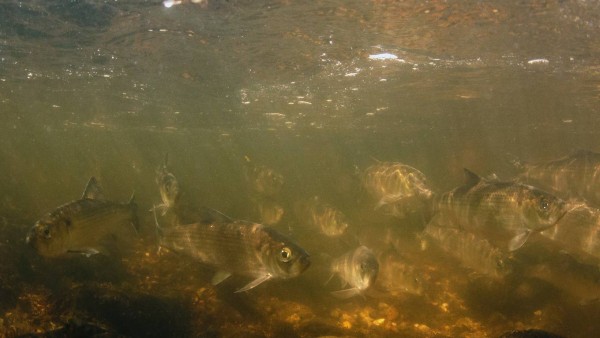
472,252
167,186
322,216
575,176
237,247
263,180
578,232
358,269
396,274
86,226
270,211
395,184
579,282
501,212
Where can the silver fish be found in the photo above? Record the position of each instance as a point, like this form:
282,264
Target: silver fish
579,282
396,186
396,274
263,180
574,176
472,252
358,269
270,211
501,212
578,232
237,247
323,217
84,226
168,187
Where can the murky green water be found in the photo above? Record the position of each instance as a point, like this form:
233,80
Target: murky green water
105,89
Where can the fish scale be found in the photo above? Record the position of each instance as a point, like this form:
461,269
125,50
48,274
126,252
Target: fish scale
86,225
499,211
237,247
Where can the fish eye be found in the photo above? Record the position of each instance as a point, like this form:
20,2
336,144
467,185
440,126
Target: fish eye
544,205
285,255
46,232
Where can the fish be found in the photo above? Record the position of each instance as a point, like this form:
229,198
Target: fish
263,180
168,187
472,252
578,232
85,226
576,176
500,211
236,247
357,269
323,217
396,274
396,186
270,211
579,282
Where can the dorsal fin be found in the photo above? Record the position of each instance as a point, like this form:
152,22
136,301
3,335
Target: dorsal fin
213,216
471,178
92,190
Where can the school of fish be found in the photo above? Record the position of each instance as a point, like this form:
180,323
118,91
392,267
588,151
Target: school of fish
482,225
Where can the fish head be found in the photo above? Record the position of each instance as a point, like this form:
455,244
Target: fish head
541,209
49,235
366,268
285,259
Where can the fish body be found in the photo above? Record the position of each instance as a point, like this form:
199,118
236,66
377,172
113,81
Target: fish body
324,217
578,232
84,226
574,176
498,211
263,180
357,269
270,211
472,252
237,247
168,187
579,282
395,184
396,274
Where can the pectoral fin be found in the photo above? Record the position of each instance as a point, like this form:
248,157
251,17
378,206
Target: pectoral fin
347,293
85,251
518,241
163,208
219,277
255,283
